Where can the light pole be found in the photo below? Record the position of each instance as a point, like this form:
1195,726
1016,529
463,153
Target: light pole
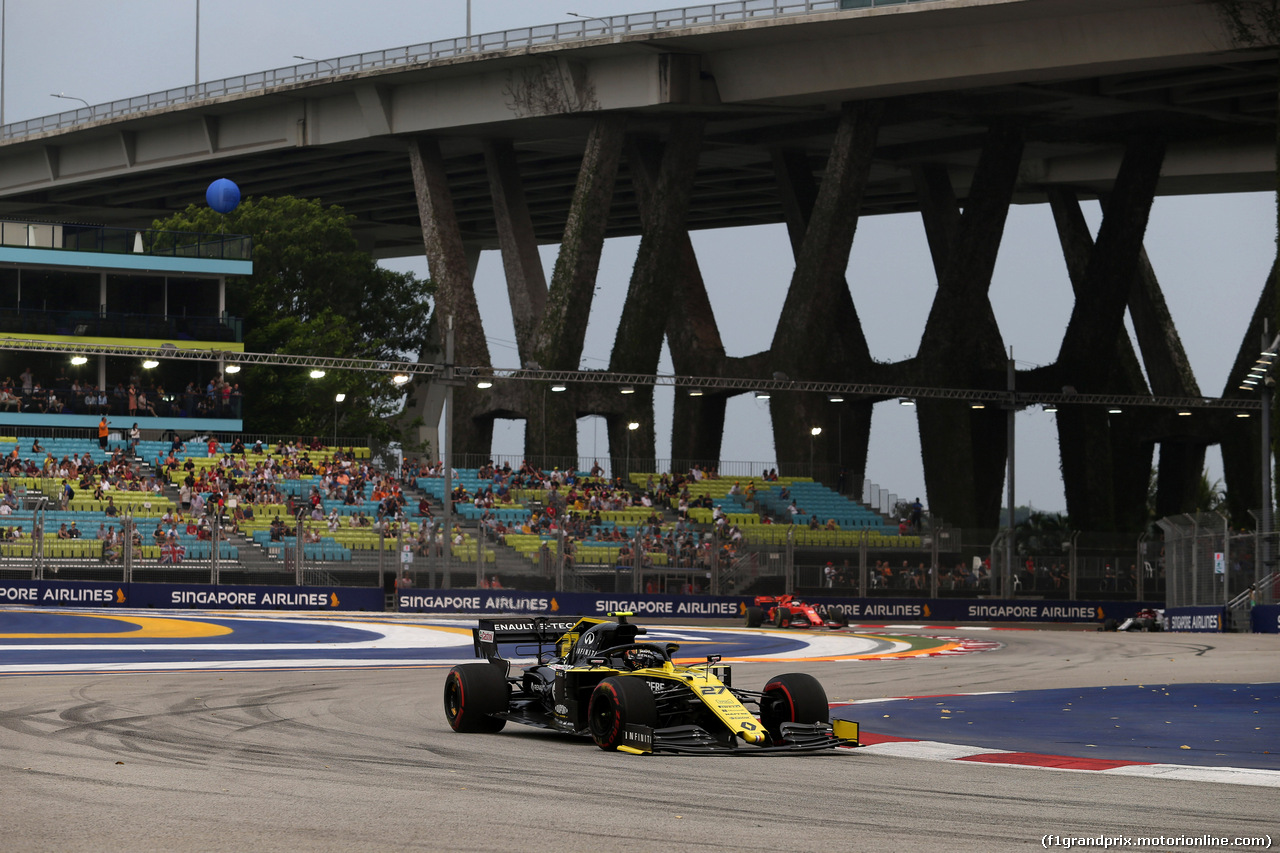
608,25
337,398
69,98
631,427
813,433
197,42
327,62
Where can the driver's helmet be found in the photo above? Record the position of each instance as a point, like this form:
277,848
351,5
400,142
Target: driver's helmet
642,657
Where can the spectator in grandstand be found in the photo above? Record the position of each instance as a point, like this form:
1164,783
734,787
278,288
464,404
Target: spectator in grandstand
917,514
28,381
8,400
62,531
132,401
111,509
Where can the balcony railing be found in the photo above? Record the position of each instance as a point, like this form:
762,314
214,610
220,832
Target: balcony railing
114,324
124,241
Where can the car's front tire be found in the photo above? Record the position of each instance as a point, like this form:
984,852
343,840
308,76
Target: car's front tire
782,617
617,703
794,697
473,692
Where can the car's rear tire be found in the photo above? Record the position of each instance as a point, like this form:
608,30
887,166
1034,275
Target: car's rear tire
617,703
473,692
755,617
782,617
794,697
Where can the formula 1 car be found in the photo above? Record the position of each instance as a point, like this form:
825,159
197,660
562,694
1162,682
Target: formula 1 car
593,679
787,611
1147,619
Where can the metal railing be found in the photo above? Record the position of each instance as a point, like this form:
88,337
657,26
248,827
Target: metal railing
565,32
105,239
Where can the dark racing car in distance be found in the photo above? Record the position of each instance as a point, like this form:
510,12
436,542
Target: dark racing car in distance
787,611
593,679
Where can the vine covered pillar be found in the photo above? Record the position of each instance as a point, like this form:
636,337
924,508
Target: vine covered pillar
819,334
452,271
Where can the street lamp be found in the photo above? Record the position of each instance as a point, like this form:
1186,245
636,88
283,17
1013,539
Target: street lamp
813,433
332,67
70,98
608,25
337,398
631,427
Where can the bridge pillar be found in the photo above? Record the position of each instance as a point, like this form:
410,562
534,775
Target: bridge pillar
659,263
819,334
472,429
697,424
963,449
521,264
551,417
1241,445
1106,464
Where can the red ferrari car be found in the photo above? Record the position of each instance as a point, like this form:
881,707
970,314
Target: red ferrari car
787,611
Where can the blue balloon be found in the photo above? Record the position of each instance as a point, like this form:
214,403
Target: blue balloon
223,195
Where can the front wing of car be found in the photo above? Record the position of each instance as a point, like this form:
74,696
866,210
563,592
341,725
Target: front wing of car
796,737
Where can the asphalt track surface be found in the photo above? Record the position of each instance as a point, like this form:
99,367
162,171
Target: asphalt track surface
357,756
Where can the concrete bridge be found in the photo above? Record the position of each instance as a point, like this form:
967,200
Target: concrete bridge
735,114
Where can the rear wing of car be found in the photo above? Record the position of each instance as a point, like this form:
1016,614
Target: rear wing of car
541,630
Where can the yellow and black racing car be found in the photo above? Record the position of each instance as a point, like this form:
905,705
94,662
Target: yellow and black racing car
593,678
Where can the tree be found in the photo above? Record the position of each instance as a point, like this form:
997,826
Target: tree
313,292
1210,497
1042,534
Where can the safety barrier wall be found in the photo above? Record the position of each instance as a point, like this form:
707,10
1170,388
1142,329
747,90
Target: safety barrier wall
188,596
1197,620
713,606
89,594
1266,619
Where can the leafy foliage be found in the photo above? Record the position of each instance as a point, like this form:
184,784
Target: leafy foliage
1042,534
314,292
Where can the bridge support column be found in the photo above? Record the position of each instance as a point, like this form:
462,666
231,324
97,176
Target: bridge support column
697,424
551,417
659,263
1241,448
455,296
819,334
1106,465
521,264
963,449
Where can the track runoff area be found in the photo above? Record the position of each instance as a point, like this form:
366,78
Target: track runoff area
1155,730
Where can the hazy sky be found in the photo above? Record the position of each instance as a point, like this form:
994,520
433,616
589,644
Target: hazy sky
1210,253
